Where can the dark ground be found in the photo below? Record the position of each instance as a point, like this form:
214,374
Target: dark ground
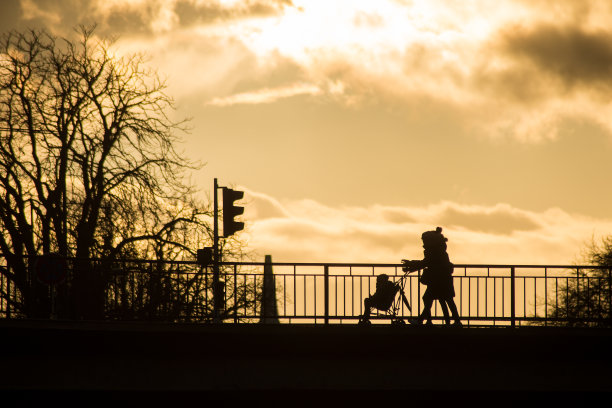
302,364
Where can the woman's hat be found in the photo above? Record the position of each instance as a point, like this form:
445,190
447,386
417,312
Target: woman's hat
434,237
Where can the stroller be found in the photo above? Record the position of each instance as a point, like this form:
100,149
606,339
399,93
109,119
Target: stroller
386,299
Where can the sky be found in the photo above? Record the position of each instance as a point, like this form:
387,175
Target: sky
353,126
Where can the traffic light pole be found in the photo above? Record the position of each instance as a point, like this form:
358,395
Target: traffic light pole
216,294
230,226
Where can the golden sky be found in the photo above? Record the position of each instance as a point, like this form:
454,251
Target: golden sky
355,125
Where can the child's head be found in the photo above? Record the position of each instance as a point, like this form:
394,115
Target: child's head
382,278
434,239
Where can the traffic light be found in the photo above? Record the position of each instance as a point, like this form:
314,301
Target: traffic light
230,211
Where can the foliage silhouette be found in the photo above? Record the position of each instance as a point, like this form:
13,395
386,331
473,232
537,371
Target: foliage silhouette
586,299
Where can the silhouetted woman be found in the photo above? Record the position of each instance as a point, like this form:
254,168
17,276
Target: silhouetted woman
437,275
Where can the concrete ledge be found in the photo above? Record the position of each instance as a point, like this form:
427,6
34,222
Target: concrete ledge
141,357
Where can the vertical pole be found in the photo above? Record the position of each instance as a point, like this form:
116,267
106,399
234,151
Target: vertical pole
418,293
609,296
545,296
64,220
512,303
8,293
235,294
326,284
578,314
216,294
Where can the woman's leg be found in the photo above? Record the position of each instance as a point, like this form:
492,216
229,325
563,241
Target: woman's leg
454,311
444,310
426,313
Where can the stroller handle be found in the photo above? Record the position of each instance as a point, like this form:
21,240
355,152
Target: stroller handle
411,266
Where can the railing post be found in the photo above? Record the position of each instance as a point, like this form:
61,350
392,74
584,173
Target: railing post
326,285
235,293
419,293
512,301
8,296
609,296
545,296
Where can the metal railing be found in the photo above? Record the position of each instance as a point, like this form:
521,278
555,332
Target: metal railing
486,295
332,293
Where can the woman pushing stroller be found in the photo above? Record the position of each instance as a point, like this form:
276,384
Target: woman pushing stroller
437,276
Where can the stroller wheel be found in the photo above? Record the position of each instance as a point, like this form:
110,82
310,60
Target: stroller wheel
364,322
398,322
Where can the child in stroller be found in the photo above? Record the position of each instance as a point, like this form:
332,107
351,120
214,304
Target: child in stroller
384,299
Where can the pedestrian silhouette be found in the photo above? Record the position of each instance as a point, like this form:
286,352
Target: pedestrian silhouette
437,276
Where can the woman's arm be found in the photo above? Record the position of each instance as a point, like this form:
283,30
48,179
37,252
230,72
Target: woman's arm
413,265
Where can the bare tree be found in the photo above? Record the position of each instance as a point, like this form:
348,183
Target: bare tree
89,169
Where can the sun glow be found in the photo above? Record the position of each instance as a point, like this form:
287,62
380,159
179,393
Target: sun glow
364,25
336,27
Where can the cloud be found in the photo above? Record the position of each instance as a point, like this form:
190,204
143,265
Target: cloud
130,17
308,231
535,77
261,206
195,12
574,56
267,95
500,219
591,13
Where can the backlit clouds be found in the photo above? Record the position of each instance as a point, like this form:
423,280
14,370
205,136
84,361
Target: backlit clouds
307,231
127,17
524,66
526,73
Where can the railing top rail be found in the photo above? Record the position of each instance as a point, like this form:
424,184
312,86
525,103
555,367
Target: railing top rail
341,264
396,265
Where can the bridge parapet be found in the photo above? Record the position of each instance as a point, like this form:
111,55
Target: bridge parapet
333,293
